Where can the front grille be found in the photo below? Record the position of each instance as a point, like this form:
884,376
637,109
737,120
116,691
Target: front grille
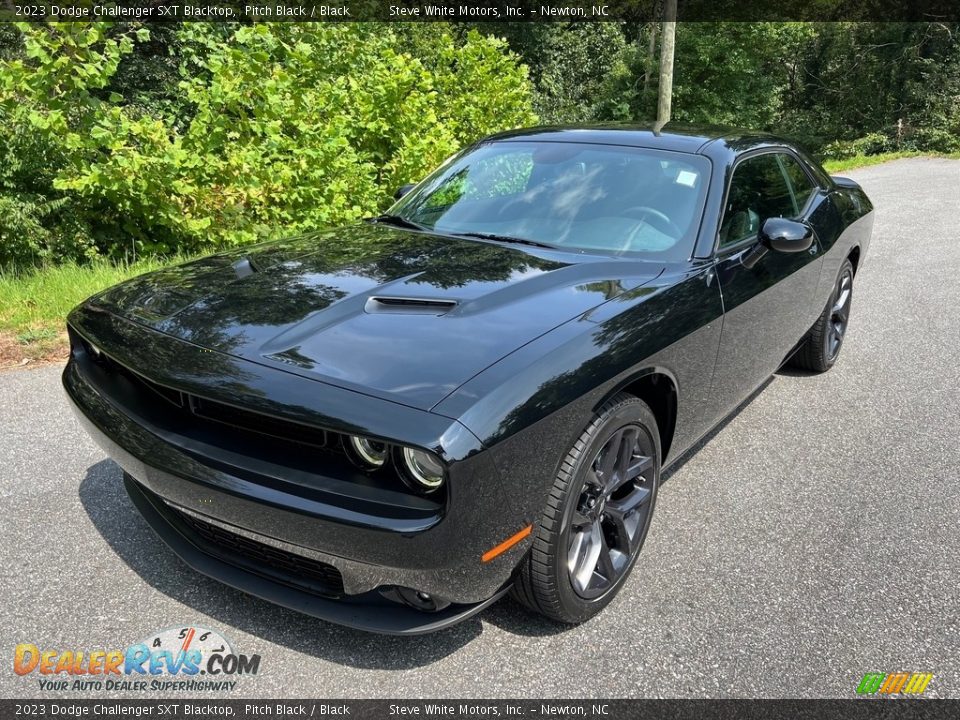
269,451
257,422
286,567
221,412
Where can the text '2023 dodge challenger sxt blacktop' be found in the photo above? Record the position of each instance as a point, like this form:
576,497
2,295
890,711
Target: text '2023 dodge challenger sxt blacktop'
392,424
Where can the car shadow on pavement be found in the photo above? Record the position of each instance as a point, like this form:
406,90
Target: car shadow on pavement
787,371
131,539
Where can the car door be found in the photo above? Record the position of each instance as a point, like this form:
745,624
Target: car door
767,306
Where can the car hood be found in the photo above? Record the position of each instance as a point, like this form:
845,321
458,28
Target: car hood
402,315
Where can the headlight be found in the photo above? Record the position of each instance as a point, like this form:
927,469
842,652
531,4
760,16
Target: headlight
423,468
370,453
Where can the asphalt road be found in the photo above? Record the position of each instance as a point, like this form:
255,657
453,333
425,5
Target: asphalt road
812,539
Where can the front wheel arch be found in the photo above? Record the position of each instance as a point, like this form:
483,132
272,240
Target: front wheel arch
657,387
544,580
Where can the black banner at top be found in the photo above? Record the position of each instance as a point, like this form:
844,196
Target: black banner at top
477,10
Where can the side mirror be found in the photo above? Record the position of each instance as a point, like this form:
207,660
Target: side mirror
779,235
403,190
786,236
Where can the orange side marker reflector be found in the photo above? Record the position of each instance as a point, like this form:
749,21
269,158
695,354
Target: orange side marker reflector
506,544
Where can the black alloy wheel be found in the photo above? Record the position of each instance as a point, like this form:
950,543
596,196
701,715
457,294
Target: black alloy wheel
839,314
611,514
597,516
821,347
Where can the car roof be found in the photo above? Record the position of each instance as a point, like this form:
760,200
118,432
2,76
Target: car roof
677,137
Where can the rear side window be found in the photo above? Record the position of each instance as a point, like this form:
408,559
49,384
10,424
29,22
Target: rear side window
765,186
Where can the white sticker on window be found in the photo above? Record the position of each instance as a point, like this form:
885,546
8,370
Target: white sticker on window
685,177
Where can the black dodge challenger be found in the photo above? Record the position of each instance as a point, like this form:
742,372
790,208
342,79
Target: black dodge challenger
392,424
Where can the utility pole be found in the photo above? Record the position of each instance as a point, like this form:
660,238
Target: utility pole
667,42
651,54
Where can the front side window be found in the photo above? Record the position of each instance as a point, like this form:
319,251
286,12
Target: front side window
758,190
799,181
573,196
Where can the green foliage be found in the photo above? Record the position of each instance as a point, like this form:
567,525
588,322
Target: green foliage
870,144
860,78
910,140
24,233
826,83
859,161
756,63
931,139
281,128
122,141
724,73
36,336
570,64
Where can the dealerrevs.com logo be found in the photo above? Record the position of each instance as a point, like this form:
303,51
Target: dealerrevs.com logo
180,658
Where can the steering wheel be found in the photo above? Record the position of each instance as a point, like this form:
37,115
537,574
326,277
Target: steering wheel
666,225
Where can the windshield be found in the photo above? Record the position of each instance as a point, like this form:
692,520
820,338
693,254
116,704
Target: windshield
581,197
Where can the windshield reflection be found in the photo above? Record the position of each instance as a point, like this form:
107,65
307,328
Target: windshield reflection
574,196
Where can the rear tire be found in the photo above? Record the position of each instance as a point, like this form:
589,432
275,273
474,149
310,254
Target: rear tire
822,346
597,515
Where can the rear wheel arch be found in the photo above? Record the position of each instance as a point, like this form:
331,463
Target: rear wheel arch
854,258
820,347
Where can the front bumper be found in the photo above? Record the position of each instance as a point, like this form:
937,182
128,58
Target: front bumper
173,478
369,611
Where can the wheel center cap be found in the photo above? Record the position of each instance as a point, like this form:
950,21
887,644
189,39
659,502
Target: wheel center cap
594,506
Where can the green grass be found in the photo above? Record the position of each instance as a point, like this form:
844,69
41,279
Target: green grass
34,304
40,299
838,166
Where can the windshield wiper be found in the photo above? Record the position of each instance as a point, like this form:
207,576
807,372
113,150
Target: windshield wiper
398,221
505,239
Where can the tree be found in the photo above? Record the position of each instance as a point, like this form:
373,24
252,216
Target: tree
666,62
569,64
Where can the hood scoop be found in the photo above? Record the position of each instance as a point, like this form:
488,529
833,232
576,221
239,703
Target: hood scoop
244,268
408,306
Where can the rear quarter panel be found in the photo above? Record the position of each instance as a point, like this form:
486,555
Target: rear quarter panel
852,215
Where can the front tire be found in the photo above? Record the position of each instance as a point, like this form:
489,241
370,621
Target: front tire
822,346
597,515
